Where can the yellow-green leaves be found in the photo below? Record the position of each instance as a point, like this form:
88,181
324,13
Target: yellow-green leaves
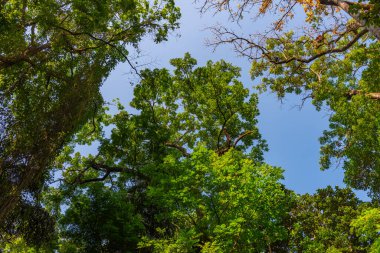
367,227
233,204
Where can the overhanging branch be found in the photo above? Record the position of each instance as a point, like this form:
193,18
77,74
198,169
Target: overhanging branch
178,147
107,172
347,5
8,61
371,95
326,52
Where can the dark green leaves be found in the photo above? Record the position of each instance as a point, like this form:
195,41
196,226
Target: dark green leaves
54,56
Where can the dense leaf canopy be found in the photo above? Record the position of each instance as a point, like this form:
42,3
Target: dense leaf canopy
181,162
54,55
174,177
181,168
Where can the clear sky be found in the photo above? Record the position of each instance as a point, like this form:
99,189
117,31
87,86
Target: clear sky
292,133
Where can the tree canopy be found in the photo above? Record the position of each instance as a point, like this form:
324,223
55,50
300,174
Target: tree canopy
160,184
333,61
180,162
54,56
182,168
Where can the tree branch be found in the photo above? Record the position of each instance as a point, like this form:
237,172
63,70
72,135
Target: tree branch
178,147
346,5
331,51
371,95
8,61
240,137
108,170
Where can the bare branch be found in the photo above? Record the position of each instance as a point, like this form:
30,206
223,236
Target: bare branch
245,46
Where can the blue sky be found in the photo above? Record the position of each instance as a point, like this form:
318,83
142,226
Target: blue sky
292,133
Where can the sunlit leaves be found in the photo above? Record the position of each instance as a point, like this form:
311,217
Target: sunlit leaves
228,202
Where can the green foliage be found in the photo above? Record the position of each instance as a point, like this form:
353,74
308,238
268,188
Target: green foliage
205,105
220,204
333,60
99,219
345,82
370,15
187,166
321,222
185,172
18,245
54,55
367,227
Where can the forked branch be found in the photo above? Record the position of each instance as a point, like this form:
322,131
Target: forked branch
107,172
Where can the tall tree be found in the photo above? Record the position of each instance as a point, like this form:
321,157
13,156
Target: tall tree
322,222
177,112
54,55
189,161
333,61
